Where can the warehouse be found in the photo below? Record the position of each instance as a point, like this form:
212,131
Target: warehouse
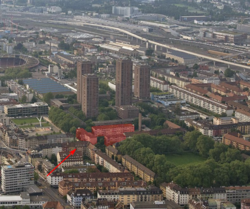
181,57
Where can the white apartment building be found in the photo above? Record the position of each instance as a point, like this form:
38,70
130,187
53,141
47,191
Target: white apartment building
15,178
177,194
75,198
110,195
159,84
200,101
107,162
54,179
242,115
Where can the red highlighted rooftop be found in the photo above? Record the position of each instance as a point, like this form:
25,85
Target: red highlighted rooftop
112,133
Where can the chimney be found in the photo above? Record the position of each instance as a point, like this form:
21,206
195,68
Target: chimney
239,135
139,122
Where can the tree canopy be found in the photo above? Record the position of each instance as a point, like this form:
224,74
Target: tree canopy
153,151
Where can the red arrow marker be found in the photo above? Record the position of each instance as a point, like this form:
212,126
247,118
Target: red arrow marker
71,153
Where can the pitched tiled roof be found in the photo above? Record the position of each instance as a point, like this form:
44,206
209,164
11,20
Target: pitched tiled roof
237,139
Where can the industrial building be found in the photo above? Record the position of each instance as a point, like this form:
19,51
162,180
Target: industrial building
181,57
123,82
16,178
22,110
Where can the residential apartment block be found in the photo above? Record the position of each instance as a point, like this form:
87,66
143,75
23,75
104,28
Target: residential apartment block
20,90
113,153
142,81
55,178
65,186
209,129
200,100
123,82
107,162
90,95
138,169
236,140
182,196
128,195
82,69
76,159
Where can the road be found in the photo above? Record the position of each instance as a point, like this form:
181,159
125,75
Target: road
52,193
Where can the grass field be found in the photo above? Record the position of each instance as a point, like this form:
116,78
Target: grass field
37,125
185,159
23,121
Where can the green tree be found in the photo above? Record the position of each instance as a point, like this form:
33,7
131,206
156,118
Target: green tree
47,97
196,66
204,144
215,153
230,155
72,130
36,176
229,73
149,52
103,117
23,99
190,140
53,159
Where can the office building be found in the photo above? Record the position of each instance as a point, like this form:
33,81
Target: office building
123,82
36,109
142,82
16,178
90,95
82,69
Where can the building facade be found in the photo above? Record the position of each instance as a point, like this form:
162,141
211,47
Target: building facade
16,178
123,82
82,69
36,109
142,82
139,169
90,93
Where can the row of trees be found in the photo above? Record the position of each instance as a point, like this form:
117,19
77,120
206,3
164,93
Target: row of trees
14,73
215,171
64,120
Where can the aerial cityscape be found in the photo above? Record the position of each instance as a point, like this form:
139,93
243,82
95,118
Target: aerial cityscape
125,104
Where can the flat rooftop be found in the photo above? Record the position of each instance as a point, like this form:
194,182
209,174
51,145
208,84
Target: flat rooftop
45,85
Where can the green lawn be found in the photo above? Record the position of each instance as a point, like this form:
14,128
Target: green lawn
34,125
22,121
185,159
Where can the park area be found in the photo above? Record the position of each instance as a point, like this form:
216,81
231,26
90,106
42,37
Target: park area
185,159
29,122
